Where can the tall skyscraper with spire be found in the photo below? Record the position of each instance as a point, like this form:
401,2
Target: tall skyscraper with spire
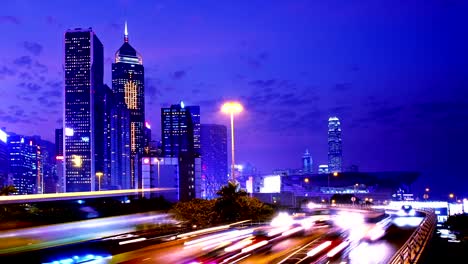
335,155
128,86
307,163
84,110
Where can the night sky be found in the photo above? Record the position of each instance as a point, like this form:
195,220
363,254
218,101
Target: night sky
395,72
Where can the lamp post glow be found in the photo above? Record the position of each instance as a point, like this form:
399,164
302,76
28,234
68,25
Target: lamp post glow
99,175
232,108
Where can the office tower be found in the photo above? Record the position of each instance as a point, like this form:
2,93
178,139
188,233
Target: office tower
335,155
128,84
213,139
177,125
25,165
118,173
307,163
4,158
84,110
59,141
323,169
177,130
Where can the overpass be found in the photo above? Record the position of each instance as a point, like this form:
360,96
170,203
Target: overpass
30,198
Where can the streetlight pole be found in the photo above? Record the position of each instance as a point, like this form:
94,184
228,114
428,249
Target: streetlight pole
232,108
232,148
99,174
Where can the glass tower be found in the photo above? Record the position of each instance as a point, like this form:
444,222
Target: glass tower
178,125
25,165
335,155
84,110
213,140
128,86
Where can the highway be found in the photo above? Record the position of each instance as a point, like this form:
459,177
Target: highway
291,249
341,239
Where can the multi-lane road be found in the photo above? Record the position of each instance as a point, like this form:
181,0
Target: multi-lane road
340,239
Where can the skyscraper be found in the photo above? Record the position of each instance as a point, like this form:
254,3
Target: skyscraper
118,174
213,139
84,109
307,163
335,155
59,141
128,85
4,158
25,165
178,125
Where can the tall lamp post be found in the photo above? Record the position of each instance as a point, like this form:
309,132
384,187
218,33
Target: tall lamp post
232,108
99,175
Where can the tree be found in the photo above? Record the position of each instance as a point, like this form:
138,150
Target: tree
254,209
227,205
196,212
7,190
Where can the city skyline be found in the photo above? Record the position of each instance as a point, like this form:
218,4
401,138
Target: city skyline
400,92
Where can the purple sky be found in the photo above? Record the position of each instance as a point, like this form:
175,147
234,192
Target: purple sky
395,72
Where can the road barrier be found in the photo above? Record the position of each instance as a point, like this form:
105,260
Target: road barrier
411,251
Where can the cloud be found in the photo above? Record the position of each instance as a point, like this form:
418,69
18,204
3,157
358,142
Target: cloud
9,20
41,67
256,61
152,87
177,75
53,93
56,85
342,87
5,72
25,76
32,87
33,47
262,83
23,61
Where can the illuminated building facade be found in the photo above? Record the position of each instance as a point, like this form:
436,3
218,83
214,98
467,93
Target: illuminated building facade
178,125
25,163
4,159
335,155
128,84
84,110
323,169
213,139
118,173
59,164
307,163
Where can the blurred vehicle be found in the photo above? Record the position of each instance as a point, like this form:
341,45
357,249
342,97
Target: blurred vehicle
406,210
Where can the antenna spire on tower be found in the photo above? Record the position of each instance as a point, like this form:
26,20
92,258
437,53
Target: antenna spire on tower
126,32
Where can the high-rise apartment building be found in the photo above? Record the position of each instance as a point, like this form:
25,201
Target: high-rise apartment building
84,110
213,139
335,155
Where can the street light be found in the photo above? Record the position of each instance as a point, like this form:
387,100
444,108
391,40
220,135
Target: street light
99,175
232,108
335,174
158,161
